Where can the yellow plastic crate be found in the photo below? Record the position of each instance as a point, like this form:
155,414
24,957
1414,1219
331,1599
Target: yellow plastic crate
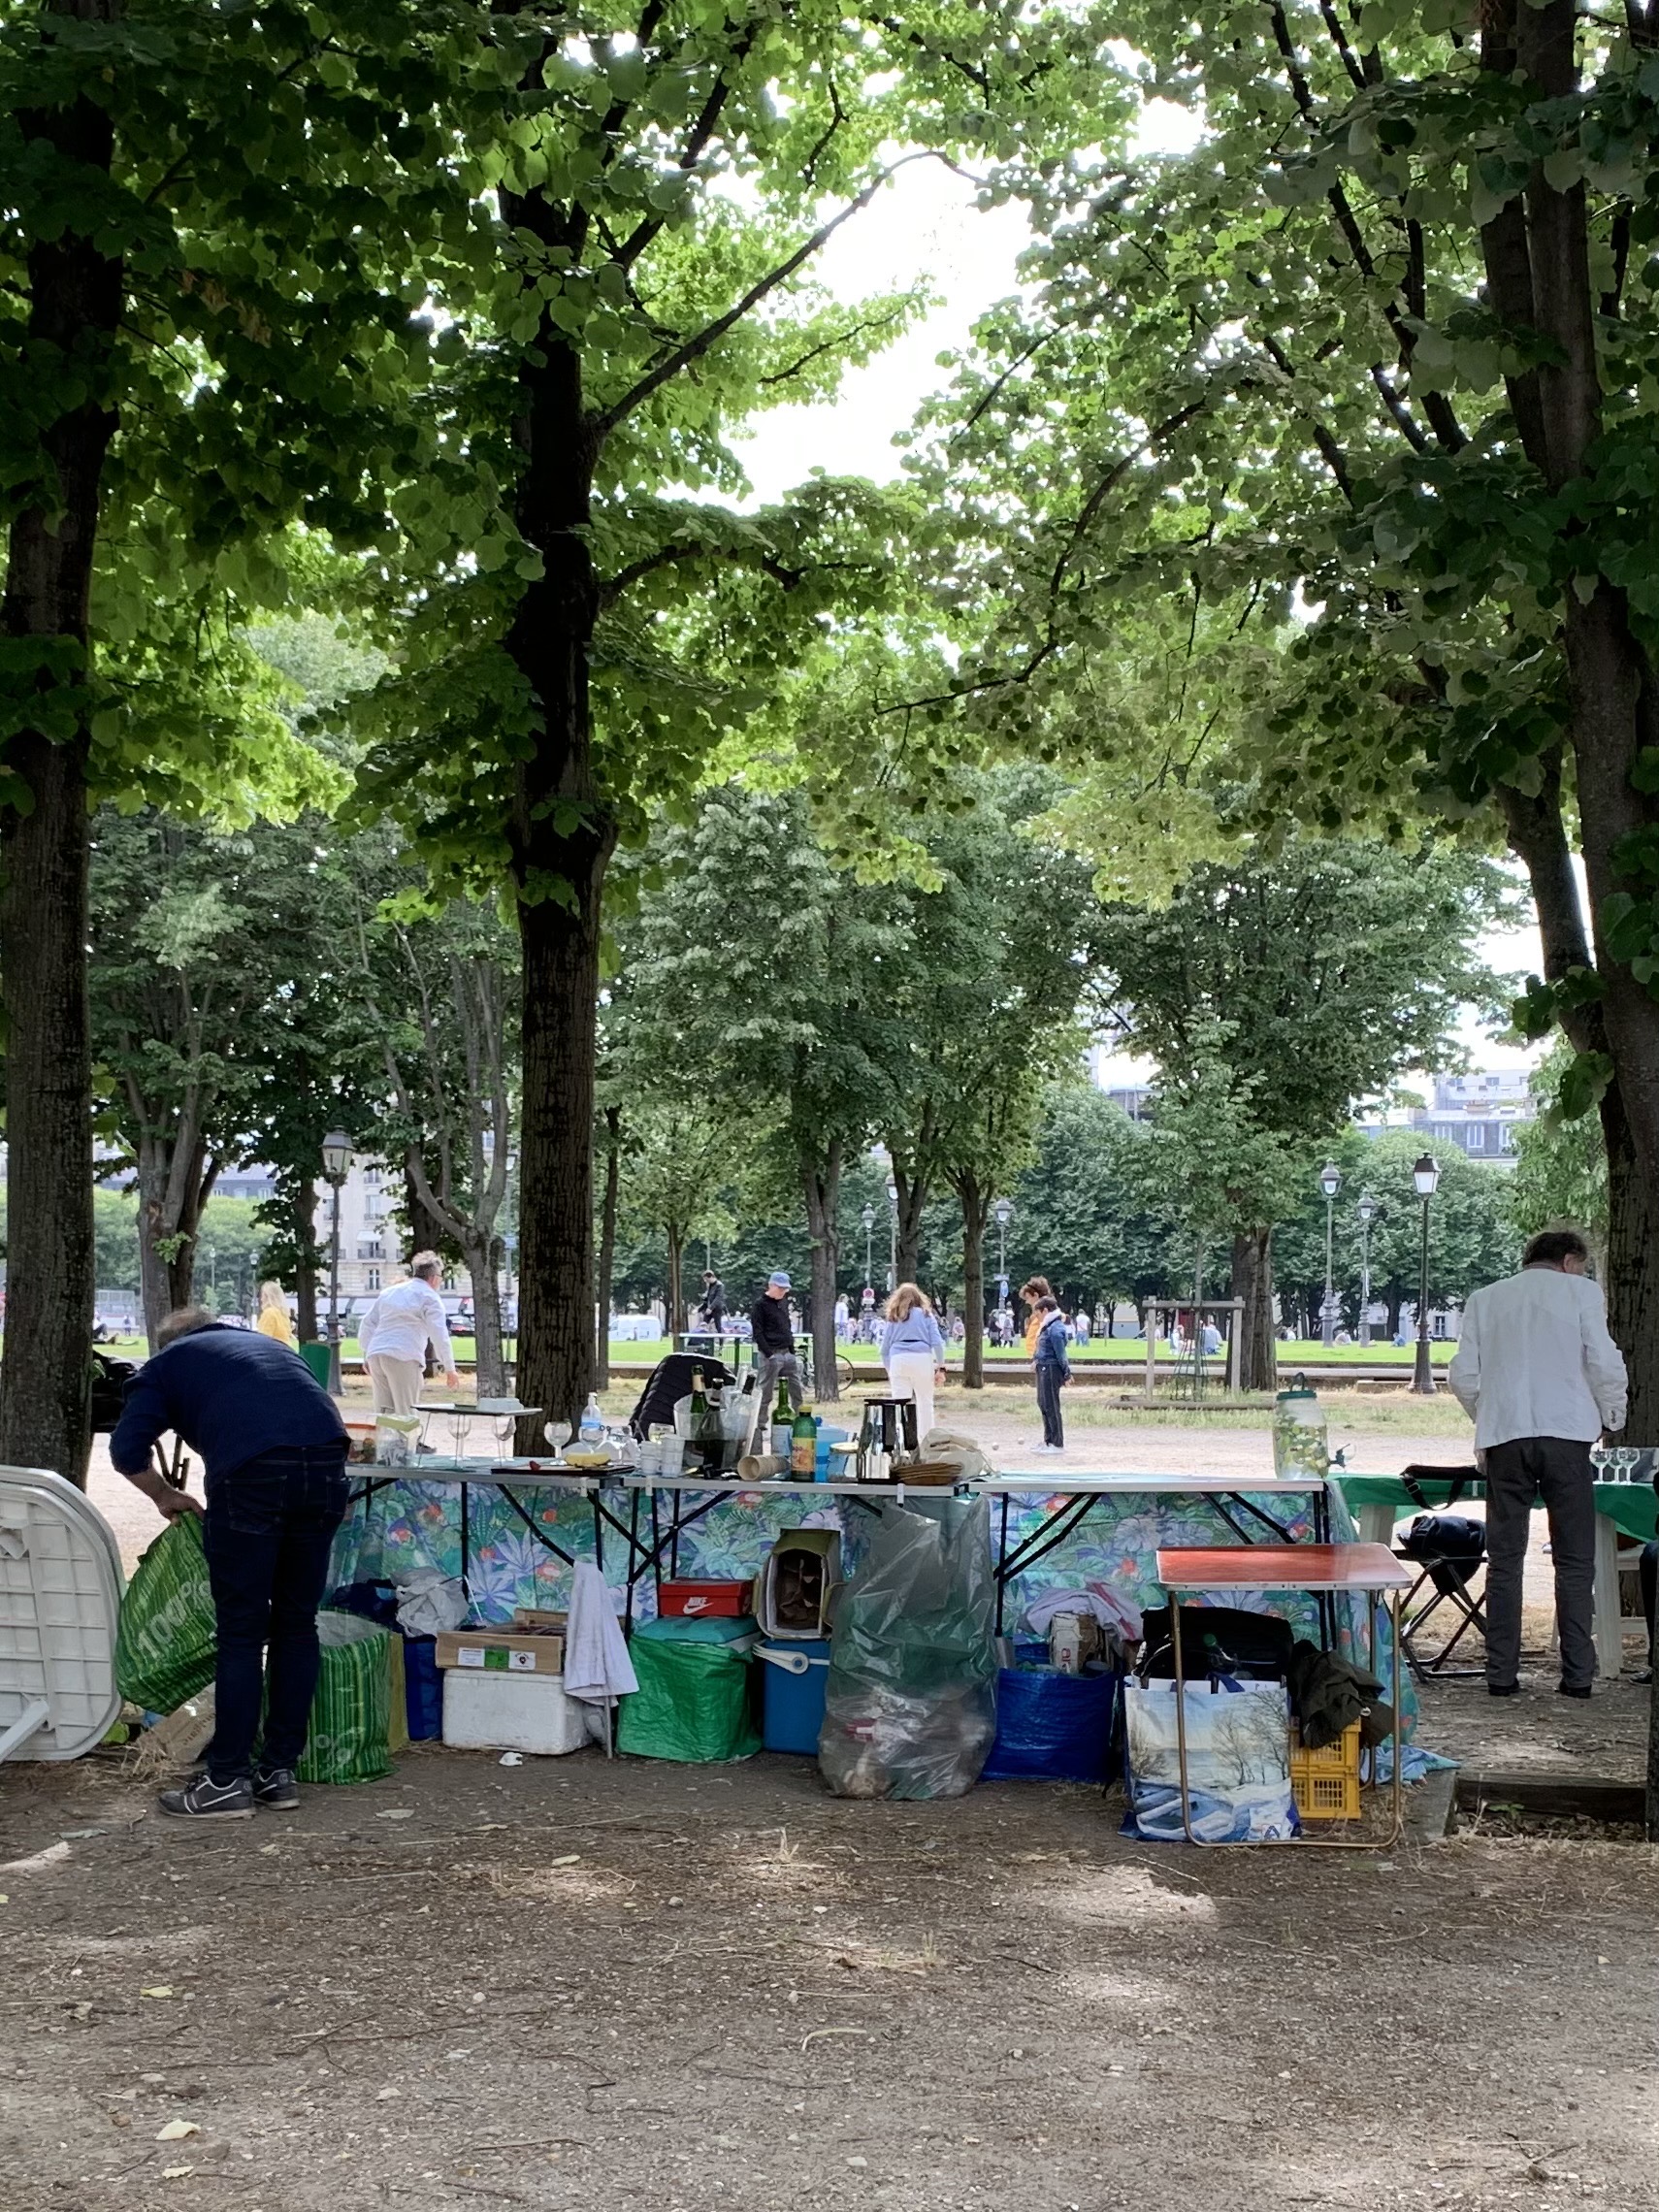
1326,1783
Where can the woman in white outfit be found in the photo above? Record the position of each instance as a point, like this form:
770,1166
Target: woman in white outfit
913,1352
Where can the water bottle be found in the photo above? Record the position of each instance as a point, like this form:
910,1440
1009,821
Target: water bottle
591,1431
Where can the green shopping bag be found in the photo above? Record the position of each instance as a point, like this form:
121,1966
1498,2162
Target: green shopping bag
166,1641
349,1737
692,1700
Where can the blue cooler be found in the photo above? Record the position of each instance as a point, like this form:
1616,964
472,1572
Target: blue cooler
796,1677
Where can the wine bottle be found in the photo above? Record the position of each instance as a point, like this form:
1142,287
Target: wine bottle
705,1432
803,1448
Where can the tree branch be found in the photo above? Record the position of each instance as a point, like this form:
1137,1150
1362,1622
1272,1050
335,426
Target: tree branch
602,425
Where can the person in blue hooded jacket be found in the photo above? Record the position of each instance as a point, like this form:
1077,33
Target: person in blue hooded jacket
1054,1372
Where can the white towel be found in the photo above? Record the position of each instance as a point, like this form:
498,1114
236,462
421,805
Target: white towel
596,1666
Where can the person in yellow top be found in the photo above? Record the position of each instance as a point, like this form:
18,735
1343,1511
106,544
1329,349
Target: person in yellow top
1033,1292
274,1318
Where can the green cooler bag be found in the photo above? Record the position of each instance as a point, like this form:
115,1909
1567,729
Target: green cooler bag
166,1643
349,1732
692,1700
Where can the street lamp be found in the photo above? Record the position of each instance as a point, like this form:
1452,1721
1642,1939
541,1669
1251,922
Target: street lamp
867,1217
335,1158
1367,1211
1330,1182
1004,1213
893,1236
1426,1176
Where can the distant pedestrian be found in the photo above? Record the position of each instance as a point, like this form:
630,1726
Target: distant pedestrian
273,1448
913,1352
712,1309
1211,1340
1541,1378
1084,1324
396,1331
274,1318
769,1321
1054,1372
1033,1291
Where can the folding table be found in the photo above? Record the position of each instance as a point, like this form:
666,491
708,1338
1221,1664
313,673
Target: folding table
1326,1569
1075,1496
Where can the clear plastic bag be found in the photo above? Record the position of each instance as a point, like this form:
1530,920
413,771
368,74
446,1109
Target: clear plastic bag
911,1704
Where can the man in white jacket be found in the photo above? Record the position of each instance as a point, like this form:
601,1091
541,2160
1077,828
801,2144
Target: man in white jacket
1542,1379
396,1331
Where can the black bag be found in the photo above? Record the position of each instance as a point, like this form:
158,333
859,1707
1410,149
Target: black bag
108,1393
1450,1545
1217,1640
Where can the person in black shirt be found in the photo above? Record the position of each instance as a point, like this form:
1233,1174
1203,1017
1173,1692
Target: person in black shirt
713,1307
774,1348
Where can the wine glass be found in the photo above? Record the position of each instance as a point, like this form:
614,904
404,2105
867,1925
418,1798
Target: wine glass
1600,1456
558,1435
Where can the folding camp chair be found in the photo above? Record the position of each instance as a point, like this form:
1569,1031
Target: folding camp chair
1448,1550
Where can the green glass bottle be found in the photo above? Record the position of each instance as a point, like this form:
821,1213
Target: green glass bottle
803,1447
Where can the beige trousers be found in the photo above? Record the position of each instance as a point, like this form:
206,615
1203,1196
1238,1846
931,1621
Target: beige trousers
397,1383
910,1375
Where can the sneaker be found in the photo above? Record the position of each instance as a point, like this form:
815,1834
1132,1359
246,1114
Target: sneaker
204,1799
1572,1689
1503,1689
275,1789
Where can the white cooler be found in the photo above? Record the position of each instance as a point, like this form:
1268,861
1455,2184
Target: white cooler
493,1711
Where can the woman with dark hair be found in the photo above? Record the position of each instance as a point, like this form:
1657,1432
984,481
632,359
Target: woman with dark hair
1054,1372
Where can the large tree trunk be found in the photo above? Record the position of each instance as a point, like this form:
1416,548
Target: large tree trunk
426,1230
975,1204
489,1377
912,1189
821,1180
1253,1282
305,1212
607,1246
75,304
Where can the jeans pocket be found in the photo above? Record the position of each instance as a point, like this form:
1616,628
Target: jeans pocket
248,1501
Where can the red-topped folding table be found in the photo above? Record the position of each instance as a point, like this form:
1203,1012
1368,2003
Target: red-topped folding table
1322,1570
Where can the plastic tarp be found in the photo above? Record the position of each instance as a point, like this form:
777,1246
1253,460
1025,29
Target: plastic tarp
911,1706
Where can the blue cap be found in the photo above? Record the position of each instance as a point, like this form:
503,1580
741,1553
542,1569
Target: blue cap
777,1283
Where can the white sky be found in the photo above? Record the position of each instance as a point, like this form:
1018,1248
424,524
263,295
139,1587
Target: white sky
925,223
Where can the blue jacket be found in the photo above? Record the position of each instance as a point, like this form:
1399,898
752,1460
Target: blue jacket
1052,1346
231,1395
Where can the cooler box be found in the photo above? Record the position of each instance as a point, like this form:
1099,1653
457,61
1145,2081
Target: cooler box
795,1677
491,1711
703,1601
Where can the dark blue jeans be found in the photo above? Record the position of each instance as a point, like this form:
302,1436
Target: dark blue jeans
1049,1381
269,1527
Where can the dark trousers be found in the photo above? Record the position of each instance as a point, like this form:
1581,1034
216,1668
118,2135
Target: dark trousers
269,1527
1557,1470
1049,1379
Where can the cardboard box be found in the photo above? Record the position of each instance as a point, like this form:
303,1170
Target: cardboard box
539,1620
501,1650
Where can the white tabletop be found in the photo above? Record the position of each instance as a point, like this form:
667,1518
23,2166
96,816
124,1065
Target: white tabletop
1020,1485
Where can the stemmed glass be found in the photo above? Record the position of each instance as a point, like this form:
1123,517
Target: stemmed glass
1600,1456
558,1435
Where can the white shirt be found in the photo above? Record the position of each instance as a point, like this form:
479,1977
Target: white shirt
404,1321
1534,1358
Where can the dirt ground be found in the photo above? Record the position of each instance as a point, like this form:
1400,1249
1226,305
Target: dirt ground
580,1984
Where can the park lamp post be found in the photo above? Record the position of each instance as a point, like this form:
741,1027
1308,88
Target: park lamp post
336,1159
892,1237
1330,1182
1426,1177
867,1217
1367,1211
1004,1213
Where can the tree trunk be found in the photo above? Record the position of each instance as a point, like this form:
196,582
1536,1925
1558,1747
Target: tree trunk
677,1281
489,1365
975,1205
607,1246
1253,1282
821,1180
74,301
912,1189
304,1211
426,1230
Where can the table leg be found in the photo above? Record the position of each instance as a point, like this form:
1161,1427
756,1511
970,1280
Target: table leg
1609,1624
466,1551
1002,1561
